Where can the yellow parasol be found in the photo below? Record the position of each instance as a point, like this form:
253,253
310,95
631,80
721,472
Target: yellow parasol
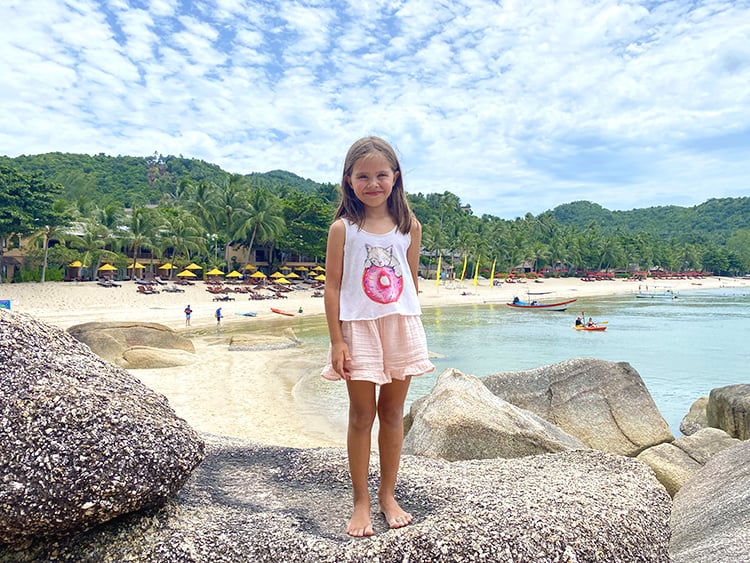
167,266
137,266
76,264
292,275
321,277
193,266
234,274
301,269
250,267
186,274
319,269
282,280
107,268
258,274
277,275
215,272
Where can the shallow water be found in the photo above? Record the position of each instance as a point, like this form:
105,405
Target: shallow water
682,348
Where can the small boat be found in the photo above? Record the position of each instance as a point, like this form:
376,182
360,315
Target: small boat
591,328
667,294
537,306
280,312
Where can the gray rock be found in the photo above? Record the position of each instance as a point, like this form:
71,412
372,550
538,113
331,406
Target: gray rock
604,404
111,340
82,440
729,409
461,419
248,502
696,417
711,512
145,357
674,464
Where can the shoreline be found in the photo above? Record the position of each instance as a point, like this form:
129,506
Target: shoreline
250,394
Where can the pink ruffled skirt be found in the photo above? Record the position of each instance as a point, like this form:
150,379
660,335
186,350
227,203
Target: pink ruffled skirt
384,349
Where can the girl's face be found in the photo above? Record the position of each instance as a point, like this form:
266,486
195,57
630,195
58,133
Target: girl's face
372,180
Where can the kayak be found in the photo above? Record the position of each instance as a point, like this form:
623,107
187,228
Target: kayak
591,328
280,312
536,306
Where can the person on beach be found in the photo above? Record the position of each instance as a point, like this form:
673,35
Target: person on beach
372,308
218,317
188,312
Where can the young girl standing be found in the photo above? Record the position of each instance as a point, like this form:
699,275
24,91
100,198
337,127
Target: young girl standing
373,313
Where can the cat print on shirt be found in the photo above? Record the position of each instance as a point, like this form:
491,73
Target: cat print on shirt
382,279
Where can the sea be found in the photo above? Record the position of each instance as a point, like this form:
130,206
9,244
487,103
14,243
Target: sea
682,347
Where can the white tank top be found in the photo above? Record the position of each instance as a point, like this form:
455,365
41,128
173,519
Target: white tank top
376,281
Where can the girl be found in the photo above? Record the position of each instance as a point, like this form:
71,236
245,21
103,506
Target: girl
373,313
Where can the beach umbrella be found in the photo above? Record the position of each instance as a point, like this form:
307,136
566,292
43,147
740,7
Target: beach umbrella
137,266
107,268
167,266
186,274
320,277
282,280
215,272
258,274
291,275
234,274
285,268
319,269
301,269
277,275
193,266
250,267
76,264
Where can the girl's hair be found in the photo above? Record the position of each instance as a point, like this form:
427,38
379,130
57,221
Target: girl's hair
351,208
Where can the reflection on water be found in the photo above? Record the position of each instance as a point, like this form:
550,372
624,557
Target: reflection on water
682,348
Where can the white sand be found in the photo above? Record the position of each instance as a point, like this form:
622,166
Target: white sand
250,394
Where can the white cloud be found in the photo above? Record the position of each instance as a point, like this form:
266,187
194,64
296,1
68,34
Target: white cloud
515,107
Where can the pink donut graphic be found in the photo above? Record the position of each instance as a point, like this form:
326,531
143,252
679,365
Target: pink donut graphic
381,284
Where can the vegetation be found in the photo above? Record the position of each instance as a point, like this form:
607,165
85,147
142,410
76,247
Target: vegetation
102,208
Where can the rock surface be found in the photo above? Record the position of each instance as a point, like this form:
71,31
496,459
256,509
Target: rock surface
729,409
247,502
604,404
696,417
711,512
82,440
461,419
113,340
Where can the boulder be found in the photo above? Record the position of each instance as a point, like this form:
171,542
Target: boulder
711,512
604,404
696,417
729,409
674,464
248,502
145,357
461,419
111,341
82,440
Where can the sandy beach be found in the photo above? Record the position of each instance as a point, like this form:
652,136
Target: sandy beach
250,393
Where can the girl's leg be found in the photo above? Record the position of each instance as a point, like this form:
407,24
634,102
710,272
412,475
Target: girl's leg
390,440
361,417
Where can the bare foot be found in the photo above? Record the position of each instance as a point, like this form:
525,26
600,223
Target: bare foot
360,524
396,516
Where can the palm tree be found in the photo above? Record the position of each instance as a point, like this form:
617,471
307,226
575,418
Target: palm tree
264,220
143,227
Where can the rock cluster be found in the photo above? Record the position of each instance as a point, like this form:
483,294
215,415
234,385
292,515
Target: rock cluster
247,502
82,440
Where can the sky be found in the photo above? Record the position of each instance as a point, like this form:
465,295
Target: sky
515,106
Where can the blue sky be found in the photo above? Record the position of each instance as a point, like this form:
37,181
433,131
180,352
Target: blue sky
513,106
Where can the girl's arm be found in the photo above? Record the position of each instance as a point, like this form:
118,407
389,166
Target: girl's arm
334,273
412,254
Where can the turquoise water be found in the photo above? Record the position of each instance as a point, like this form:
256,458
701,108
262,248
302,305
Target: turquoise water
682,348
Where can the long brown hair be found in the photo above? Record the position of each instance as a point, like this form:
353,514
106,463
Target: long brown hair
352,208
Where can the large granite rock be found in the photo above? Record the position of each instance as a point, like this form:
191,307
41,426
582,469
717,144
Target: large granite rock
82,440
461,419
729,409
134,345
674,464
710,514
247,502
604,404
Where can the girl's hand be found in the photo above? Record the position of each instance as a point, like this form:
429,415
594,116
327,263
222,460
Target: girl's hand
340,358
